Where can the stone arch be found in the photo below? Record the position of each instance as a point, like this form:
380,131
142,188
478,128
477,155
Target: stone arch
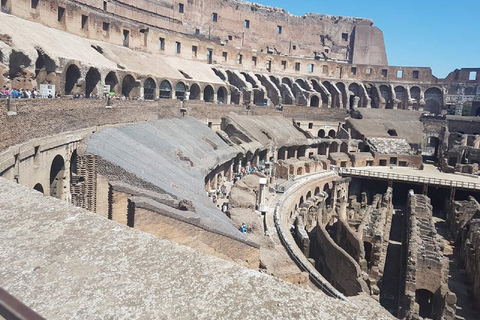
333,147
317,191
91,81
165,90
128,84
372,93
222,95
45,69
301,83
57,177
344,96
415,93
321,133
314,101
208,94
316,86
309,195
354,90
344,147
401,96
149,88
433,99
39,188
72,75
332,133
287,81
111,80
180,90
334,94
386,94
194,92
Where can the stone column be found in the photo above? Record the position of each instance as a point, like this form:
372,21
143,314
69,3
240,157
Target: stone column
261,195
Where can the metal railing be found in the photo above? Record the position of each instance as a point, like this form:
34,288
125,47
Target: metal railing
409,178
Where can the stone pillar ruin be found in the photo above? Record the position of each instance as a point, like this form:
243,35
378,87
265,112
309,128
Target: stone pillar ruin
261,195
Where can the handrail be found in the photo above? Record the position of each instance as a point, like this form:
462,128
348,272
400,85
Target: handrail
409,178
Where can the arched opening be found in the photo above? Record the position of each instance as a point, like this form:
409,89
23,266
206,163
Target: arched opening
112,81
343,92
195,92
208,94
321,133
301,201
287,82
309,195
354,89
39,188
165,90
44,69
91,81
415,93
302,84
433,100
149,87
180,90
128,83
57,177
333,147
344,147
424,298
367,246
331,133
314,101
386,94
317,190
322,149
400,94
222,95
71,77
372,93
299,171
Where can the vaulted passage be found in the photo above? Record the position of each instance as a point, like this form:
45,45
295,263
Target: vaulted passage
71,77
112,81
314,101
208,94
92,79
194,92
128,84
57,177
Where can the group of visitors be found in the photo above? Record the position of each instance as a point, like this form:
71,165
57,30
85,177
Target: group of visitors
18,94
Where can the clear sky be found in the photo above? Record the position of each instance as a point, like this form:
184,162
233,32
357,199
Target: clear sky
441,34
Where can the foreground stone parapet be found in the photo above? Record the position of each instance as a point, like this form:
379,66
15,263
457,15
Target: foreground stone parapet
67,263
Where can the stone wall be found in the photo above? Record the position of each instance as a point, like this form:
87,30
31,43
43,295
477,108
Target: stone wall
426,289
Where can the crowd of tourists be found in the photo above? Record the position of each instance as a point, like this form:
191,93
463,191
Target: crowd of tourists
18,93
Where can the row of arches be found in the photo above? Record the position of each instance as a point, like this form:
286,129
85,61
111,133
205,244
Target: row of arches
331,94
130,87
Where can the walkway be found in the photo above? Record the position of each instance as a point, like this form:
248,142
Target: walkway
430,175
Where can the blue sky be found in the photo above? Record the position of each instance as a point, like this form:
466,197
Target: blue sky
441,34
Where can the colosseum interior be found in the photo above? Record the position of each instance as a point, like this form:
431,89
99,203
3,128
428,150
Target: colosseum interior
211,159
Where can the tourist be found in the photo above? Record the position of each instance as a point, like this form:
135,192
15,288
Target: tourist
243,228
15,94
